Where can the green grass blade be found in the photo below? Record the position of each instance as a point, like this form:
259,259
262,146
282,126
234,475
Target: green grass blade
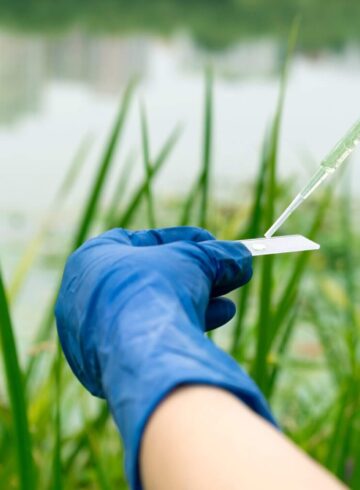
74,170
293,284
253,227
308,436
119,190
207,147
99,469
283,345
105,165
33,247
57,483
125,219
188,205
331,349
350,431
264,319
267,265
147,166
352,336
351,339
187,210
200,187
80,440
16,393
355,477
331,461
95,456
252,231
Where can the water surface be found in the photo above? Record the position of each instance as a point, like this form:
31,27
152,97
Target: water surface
56,90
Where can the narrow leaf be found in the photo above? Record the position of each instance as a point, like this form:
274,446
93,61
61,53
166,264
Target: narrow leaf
105,165
147,166
125,219
207,147
16,394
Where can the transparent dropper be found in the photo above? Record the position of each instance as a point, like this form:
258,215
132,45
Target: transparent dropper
332,162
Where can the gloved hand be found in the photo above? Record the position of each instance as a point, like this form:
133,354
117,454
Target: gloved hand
131,315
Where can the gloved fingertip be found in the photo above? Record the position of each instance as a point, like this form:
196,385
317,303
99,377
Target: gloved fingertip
184,233
161,236
231,264
219,312
201,235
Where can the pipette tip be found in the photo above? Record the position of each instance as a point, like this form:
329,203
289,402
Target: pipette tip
289,210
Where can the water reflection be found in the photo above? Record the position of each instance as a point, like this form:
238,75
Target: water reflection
54,88
23,76
104,64
30,64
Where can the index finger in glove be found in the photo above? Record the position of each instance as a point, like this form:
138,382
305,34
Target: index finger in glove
159,236
230,264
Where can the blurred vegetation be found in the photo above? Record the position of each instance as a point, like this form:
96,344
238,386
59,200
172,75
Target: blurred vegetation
296,330
213,23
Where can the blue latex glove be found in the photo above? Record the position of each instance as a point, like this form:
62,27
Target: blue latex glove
131,315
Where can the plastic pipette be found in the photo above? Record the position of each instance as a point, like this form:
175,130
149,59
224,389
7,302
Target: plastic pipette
332,162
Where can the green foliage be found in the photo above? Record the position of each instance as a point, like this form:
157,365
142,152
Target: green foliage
207,147
147,165
315,394
57,483
17,396
214,24
199,193
104,168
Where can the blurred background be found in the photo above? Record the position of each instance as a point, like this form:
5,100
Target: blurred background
64,67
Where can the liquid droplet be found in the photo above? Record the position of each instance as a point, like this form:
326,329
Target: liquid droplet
258,246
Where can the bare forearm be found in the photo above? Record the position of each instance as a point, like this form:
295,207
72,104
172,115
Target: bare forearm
204,438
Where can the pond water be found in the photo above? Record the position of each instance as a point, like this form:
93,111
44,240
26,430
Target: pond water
54,89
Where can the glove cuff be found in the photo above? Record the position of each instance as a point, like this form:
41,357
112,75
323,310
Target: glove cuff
162,372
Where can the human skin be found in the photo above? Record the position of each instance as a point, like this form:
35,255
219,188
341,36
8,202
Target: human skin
204,438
